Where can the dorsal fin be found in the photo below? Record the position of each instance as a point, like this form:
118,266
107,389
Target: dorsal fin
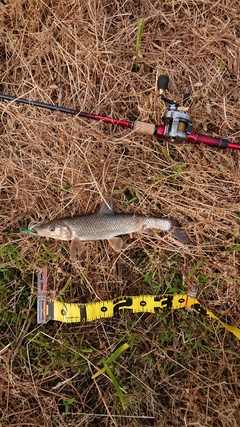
107,207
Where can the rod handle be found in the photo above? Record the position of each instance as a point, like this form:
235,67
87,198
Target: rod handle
162,82
144,128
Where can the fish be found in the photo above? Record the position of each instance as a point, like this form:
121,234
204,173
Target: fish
105,225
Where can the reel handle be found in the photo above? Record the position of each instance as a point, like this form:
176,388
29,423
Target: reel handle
162,82
187,101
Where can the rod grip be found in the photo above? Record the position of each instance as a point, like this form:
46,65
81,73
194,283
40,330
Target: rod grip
144,128
162,82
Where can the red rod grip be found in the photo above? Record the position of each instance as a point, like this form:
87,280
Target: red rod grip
195,138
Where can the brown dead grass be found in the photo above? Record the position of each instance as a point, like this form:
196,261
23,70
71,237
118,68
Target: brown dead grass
80,54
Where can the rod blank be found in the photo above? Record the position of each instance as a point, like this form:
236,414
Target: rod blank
139,127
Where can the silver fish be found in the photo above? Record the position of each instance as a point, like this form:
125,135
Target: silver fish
105,224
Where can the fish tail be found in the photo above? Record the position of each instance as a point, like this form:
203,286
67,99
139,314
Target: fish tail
177,232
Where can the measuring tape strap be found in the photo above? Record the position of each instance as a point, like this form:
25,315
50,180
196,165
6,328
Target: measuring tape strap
233,329
77,312
74,312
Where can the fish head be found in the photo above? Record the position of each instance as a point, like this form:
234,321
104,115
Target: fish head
54,229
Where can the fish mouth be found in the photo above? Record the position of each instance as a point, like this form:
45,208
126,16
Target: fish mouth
33,229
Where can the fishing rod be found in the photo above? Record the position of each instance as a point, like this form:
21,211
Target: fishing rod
177,126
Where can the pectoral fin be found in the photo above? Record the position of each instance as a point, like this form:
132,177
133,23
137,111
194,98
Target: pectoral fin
76,247
116,243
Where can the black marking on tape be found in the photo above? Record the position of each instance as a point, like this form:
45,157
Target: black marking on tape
199,308
83,313
50,305
122,303
143,303
167,302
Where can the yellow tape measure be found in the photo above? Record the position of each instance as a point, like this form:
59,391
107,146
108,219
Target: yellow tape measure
77,312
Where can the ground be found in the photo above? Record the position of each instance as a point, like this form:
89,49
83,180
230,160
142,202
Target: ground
179,368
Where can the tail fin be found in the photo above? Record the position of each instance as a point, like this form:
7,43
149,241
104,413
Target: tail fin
178,233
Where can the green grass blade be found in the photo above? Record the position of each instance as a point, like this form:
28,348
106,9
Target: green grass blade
5,249
67,403
48,251
192,272
66,188
117,353
178,170
111,359
66,285
139,37
234,248
115,383
12,253
129,193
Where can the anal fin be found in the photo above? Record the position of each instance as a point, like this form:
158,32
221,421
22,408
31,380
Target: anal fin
148,231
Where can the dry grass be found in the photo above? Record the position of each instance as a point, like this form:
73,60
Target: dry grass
180,371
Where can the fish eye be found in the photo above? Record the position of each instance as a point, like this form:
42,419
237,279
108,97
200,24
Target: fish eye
52,227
